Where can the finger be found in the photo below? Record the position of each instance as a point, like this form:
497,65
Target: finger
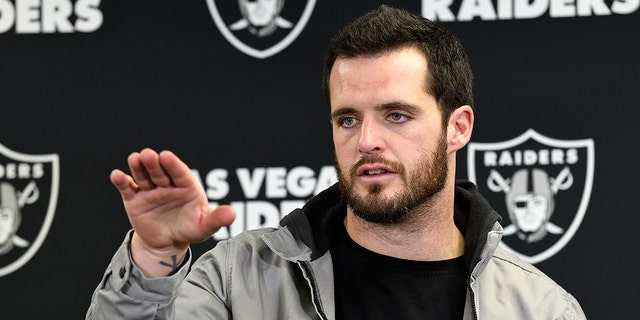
124,183
179,172
139,172
217,218
156,173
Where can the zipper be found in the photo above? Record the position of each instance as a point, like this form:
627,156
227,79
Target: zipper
473,300
315,295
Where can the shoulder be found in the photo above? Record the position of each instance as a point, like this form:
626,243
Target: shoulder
511,285
523,276
514,266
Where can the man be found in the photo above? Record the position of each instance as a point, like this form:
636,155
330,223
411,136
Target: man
398,238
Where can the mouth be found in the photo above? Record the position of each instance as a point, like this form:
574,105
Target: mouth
373,170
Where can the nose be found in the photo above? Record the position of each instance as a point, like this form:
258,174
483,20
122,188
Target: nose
371,140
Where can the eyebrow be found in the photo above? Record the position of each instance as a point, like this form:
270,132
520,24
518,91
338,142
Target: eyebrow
342,111
383,107
399,106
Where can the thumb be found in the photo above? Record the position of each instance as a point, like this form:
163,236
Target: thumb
217,218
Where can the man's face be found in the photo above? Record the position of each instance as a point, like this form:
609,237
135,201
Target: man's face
391,149
530,211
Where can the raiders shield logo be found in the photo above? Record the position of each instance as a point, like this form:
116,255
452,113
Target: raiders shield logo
541,187
28,198
260,28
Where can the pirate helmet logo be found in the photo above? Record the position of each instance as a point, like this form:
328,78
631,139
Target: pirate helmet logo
28,197
11,216
530,201
541,187
260,28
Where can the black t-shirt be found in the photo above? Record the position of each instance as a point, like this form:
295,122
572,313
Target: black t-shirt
374,286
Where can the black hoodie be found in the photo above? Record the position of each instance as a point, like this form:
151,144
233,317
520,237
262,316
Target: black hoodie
316,223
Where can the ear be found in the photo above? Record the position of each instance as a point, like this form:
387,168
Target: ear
460,127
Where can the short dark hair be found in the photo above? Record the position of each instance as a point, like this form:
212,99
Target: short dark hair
449,77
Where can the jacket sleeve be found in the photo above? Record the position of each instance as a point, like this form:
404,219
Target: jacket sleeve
124,293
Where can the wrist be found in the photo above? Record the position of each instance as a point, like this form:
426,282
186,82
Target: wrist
156,262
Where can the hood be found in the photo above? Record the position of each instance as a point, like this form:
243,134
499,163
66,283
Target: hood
475,218
316,222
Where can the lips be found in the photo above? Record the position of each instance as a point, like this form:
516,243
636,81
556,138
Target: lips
373,170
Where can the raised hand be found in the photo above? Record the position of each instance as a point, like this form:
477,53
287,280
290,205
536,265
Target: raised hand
167,208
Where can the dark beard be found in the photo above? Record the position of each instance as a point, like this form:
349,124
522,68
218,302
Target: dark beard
429,178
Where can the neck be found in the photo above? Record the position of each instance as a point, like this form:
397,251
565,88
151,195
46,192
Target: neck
427,234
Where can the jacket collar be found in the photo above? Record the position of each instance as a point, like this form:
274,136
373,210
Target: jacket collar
476,219
315,224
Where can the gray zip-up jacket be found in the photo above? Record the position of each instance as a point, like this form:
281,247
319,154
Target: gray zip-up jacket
287,273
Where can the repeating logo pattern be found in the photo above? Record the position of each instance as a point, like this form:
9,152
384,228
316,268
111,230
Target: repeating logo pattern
541,187
28,197
261,28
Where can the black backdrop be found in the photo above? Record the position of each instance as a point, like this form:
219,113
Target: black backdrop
161,74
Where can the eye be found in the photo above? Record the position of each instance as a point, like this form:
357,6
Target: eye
398,117
347,122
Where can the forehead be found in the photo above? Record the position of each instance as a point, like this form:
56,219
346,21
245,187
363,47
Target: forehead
399,73
400,62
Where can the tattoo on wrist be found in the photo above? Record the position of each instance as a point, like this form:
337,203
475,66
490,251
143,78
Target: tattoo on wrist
174,263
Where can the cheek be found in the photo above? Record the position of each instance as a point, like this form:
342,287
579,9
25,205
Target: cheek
431,139
344,142
340,148
415,143
342,155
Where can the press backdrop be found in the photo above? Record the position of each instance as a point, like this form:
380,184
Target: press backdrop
84,83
